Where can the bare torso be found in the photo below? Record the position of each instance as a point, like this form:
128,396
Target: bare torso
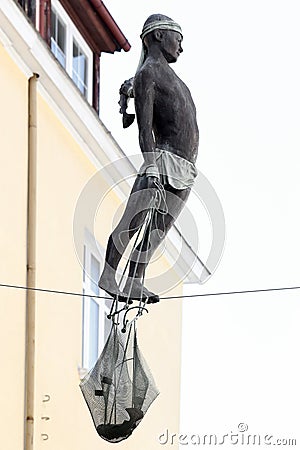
174,114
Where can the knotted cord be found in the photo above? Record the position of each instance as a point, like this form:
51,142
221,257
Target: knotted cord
158,205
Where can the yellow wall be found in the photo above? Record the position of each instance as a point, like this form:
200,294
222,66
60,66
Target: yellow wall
63,171
13,176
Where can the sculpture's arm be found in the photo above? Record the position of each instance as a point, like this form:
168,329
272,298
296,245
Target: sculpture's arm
144,95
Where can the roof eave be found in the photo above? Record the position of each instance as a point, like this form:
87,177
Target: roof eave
111,25
97,26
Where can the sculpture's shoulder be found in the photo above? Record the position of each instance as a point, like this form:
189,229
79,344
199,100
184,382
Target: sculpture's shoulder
148,75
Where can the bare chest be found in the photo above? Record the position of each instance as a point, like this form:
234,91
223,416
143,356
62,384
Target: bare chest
173,96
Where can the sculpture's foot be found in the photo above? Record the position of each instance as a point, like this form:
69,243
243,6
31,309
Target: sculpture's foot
108,283
134,289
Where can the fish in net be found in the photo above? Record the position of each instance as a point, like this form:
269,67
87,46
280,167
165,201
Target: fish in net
120,388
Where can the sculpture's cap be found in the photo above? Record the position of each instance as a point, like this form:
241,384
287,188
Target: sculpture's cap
165,24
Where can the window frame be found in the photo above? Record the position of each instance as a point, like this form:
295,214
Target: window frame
92,248
72,34
58,18
75,73
31,8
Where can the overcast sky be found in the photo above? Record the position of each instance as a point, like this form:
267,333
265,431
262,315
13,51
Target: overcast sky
241,63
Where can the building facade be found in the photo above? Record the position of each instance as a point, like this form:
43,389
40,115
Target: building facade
55,46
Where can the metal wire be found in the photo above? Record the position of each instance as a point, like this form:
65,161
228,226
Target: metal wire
77,294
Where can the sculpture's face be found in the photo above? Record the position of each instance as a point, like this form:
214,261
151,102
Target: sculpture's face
171,45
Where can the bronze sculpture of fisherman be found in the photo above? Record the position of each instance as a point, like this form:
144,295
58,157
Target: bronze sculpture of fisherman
168,137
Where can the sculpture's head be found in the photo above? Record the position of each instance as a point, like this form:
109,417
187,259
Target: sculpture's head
163,31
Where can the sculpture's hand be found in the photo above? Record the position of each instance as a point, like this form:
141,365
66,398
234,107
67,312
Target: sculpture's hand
152,175
159,195
127,88
152,182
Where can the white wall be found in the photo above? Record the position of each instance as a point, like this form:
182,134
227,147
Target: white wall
240,365
241,63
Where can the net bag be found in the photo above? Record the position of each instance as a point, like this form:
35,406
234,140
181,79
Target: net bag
120,388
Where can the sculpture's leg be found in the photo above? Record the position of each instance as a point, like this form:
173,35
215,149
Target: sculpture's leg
175,201
133,217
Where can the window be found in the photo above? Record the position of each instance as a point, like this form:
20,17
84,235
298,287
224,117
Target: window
95,324
71,50
58,37
29,6
80,68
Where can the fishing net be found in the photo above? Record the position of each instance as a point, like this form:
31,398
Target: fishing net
120,388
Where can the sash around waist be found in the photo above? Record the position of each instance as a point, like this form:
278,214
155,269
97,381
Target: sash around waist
174,170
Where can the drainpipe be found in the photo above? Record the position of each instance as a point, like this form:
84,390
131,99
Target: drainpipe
31,263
